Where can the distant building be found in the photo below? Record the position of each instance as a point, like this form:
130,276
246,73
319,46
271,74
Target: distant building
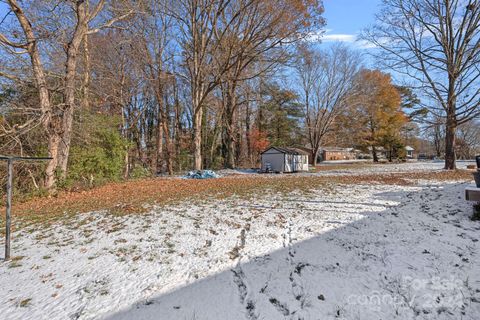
410,152
332,154
276,159
381,152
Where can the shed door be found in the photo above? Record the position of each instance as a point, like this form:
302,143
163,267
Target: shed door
288,163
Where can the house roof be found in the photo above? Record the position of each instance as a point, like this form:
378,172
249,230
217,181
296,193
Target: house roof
408,148
337,149
287,150
377,148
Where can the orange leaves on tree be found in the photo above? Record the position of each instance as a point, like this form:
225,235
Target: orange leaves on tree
259,140
378,102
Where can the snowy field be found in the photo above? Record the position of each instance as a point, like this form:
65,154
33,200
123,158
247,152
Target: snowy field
337,252
369,168
361,167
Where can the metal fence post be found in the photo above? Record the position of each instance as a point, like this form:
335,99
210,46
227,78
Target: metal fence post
9,208
8,215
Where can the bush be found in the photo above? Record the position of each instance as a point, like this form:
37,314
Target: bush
140,172
97,158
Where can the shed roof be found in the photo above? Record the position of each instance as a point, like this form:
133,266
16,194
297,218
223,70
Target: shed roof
286,150
408,148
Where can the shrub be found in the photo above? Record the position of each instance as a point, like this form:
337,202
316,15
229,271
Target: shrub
98,153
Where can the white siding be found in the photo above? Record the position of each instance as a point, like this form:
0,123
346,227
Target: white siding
303,164
289,163
300,162
281,162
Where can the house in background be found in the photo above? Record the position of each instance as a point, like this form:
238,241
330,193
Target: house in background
382,153
410,152
331,154
277,159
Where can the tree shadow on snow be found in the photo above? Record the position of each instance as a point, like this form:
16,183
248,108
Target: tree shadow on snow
335,274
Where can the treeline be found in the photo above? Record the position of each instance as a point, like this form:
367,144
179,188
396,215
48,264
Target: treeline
113,89
119,89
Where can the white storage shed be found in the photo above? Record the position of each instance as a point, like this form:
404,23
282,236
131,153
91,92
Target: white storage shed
276,159
409,151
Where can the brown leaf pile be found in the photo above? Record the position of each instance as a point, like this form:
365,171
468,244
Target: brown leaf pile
131,196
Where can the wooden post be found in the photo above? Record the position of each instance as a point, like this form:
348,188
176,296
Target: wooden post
9,208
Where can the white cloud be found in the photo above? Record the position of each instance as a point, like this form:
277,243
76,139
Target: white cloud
327,35
338,37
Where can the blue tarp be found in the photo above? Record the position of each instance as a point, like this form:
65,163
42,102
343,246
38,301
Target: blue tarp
201,174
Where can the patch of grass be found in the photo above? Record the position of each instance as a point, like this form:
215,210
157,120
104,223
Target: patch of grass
24,303
17,258
15,262
104,292
14,265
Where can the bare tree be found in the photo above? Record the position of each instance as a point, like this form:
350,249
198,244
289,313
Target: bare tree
155,30
468,136
436,43
326,79
117,81
221,38
57,118
435,133
195,19
255,43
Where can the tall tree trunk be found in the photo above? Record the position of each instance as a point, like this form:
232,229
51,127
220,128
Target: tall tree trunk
126,157
50,171
168,138
169,155
67,123
163,131
437,140
314,155
66,138
86,74
450,132
177,126
374,154
159,137
229,125
69,90
373,140
197,138
247,129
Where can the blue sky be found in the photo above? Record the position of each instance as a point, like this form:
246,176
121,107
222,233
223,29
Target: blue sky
345,18
3,9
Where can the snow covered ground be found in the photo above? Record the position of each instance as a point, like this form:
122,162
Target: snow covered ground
346,252
370,168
